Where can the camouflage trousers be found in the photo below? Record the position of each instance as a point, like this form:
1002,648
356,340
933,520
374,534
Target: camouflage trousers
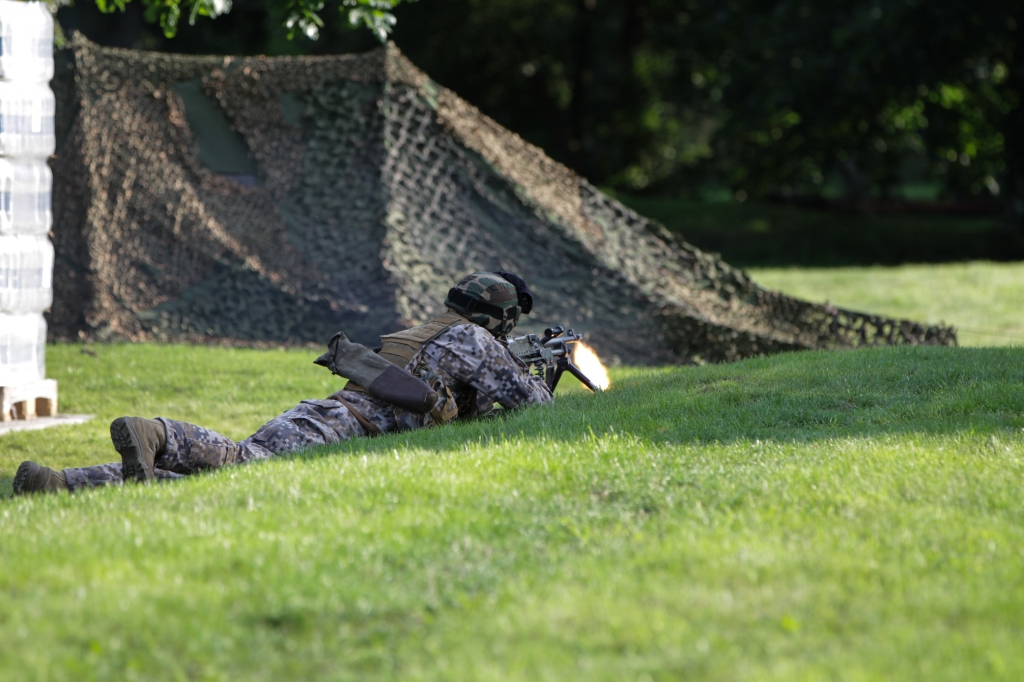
191,449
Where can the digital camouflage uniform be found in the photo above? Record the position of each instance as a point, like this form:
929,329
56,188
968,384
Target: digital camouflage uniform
473,364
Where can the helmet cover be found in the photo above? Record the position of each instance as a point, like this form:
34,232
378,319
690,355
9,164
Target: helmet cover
488,300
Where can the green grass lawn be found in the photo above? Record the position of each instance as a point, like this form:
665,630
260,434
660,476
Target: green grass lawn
983,300
841,516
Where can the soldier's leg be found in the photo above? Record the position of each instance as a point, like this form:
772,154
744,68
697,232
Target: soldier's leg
33,478
319,422
172,449
192,448
105,474
310,423
187,448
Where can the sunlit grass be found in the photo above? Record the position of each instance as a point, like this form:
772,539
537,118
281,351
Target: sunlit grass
983,300
841,516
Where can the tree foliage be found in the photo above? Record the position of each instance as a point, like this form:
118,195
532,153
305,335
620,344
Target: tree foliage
786,97
300,17
759,97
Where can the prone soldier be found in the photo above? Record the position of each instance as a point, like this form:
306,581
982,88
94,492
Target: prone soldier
455,366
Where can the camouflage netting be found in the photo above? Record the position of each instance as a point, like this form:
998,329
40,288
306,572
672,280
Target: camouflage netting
374,191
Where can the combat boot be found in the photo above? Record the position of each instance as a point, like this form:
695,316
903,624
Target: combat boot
33,478
138,441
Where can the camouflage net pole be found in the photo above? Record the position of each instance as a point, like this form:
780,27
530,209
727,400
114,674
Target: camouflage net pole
373,190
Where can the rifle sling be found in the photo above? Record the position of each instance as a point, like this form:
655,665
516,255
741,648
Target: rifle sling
370,427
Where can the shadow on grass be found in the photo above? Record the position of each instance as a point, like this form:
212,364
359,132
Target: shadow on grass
799,397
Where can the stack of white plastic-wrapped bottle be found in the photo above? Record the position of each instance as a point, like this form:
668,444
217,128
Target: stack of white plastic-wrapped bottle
26,140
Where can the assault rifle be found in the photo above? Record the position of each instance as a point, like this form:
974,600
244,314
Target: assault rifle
549,357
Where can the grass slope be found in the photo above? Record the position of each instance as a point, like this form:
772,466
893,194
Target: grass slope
983,300
846,516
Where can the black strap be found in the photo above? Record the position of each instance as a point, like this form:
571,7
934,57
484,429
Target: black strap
473,305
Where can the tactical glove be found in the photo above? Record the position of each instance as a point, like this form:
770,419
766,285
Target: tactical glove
380,378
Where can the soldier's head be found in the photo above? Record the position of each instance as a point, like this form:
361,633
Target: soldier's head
493,300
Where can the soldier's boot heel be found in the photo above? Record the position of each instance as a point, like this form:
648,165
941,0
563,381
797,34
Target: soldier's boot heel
138,441
34,478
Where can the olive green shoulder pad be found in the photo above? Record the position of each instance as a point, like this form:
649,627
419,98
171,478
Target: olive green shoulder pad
401,346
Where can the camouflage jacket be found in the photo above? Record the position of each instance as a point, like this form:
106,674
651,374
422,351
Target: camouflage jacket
478,369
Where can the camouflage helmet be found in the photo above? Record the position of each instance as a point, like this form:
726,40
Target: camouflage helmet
488,300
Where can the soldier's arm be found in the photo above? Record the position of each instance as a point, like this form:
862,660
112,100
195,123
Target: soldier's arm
470,355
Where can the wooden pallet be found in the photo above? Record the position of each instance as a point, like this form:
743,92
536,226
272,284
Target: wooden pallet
28,401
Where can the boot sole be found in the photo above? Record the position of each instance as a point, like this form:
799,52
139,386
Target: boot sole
20,478
128,444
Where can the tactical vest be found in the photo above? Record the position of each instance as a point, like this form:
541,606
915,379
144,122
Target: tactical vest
401,346
398,348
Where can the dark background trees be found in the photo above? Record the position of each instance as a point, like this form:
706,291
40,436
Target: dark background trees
784,97
698,98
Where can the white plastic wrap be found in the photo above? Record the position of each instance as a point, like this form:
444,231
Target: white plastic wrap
26,42
26,274
25,187
26,139
22,348
26,119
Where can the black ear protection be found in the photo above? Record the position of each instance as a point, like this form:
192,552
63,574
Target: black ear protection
522,291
